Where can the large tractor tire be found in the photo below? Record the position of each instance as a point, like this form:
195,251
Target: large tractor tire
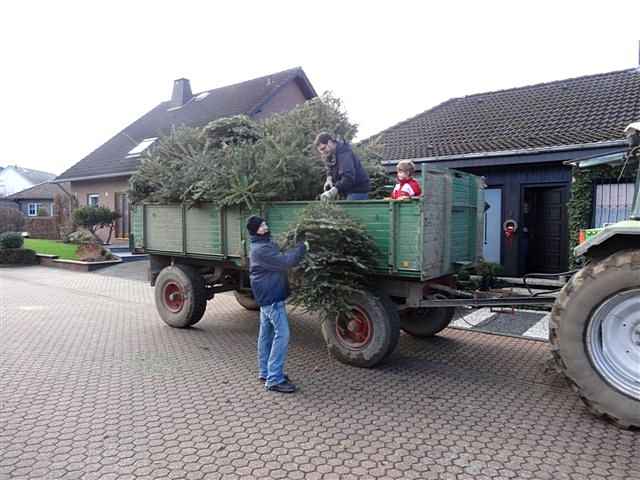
368,336
247,301
180,295
426,322
595,336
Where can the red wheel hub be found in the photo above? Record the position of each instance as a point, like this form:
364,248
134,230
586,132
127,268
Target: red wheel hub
354,332
173,296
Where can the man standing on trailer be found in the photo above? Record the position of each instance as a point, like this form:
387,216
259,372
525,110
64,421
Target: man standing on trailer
345,173
268,274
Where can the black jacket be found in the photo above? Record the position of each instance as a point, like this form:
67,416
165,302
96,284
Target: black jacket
268,269
347,172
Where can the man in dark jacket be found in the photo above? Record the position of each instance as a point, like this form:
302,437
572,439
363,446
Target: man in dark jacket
345,173
268,274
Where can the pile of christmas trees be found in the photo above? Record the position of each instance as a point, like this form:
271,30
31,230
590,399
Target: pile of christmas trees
236,161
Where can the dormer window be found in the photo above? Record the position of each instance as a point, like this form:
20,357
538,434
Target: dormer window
141,147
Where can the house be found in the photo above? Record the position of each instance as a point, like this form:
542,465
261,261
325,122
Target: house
519,139
39,199
14,179
101,178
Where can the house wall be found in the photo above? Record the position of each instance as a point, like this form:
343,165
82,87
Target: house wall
287,98
512,180
12,182
46,204
105,188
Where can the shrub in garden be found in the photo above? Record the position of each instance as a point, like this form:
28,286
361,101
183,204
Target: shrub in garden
11,240
80,236
94,218
92,252
11,220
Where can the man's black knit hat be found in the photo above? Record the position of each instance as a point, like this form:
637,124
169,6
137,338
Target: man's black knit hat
253,224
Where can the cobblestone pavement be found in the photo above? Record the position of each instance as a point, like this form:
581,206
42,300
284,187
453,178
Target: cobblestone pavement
94,386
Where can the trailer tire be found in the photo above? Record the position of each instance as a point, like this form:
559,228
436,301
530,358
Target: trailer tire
426,322
247,301
369,337
180,296
588,336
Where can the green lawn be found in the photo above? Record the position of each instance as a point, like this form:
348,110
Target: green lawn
51,247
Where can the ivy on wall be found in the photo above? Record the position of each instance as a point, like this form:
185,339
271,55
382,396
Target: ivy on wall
580,206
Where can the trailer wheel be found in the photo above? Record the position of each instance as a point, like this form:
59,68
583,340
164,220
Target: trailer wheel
369,336
426,322
180,295
246,300
594,333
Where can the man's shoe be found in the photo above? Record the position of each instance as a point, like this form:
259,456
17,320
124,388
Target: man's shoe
284,387
286,378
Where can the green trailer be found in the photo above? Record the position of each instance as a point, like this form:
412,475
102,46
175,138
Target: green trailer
198,252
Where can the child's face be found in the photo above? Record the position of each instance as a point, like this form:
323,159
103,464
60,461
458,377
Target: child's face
402,175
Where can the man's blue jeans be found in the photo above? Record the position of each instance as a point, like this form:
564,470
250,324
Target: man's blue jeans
273,342
358,196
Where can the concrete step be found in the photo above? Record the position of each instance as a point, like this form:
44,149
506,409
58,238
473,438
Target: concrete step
127,256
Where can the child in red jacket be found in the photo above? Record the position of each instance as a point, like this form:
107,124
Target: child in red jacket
406,187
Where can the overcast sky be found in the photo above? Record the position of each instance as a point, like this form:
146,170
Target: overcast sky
74,73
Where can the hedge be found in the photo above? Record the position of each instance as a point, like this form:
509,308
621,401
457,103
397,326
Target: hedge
580,206
18,256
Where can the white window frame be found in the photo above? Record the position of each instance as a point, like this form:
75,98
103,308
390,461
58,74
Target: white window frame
38,206
93,196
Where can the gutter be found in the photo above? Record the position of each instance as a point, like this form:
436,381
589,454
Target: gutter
93,177
507,153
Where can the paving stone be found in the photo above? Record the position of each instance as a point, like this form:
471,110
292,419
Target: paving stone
94,386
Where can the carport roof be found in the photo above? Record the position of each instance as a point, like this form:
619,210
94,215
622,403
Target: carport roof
588,110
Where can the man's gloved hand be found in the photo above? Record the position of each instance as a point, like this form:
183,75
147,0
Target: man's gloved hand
306,246
328,184
329,195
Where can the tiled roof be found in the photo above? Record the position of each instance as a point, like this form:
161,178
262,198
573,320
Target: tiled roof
42,191
594,108
242,98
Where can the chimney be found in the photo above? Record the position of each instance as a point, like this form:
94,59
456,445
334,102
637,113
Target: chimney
181,92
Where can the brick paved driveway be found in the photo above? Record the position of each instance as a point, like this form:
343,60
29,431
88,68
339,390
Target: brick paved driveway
93,385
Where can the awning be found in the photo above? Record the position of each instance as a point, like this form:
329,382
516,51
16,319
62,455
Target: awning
609,158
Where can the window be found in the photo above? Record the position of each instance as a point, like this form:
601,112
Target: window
93,199
32,209
613,203
141,147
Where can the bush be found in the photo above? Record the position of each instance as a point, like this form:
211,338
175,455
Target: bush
91,252
11,240
80,237
17,256
11,220
93,218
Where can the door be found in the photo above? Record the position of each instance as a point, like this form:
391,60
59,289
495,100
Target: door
122,207
546,225
492,225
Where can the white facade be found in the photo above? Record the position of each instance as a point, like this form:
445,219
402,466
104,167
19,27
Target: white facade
11,181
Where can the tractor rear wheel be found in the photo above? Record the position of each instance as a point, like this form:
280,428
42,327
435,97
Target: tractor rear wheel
594,333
